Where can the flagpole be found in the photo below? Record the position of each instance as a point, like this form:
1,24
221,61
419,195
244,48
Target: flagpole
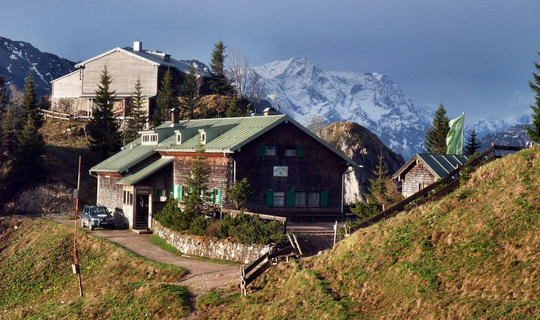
462,132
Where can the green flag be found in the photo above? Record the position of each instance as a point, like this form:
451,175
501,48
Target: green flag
454,138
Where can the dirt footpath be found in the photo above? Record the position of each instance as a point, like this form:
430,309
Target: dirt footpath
203,276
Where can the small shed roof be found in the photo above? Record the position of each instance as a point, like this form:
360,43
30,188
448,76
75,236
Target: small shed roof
438,164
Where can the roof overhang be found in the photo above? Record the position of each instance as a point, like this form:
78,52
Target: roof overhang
146,171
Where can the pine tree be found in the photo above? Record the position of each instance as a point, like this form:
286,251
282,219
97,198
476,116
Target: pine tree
194,202
471,146
436,134
190,92
534,130
4,103
219,84
137,117
166,99
104,137
240,193
30,105
28,164
233,110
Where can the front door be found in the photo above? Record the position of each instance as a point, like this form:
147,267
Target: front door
141,212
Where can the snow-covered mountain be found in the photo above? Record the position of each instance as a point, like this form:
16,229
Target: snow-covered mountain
489,126
370,99
17,57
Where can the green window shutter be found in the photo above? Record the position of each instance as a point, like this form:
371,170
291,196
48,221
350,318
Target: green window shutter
181,193
190,190
212,200
262,150
291,200
324,199
218,196
269,198
300,151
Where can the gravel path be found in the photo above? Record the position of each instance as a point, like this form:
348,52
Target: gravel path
203,276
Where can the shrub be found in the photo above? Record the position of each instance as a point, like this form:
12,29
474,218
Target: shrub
172,217
247,229
198,226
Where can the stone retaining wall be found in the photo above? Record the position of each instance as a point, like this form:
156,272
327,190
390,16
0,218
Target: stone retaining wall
213,248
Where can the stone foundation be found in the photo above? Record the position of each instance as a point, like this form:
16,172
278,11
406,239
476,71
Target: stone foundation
212,248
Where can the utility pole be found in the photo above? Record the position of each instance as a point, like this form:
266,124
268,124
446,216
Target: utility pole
75,265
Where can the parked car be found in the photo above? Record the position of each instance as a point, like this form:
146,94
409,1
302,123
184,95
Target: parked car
96,217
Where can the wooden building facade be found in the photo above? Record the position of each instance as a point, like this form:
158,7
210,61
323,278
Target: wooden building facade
424,169
74,93
291,171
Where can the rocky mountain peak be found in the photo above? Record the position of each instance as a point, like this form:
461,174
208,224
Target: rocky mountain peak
364,147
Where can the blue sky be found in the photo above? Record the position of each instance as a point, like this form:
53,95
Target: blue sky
474,56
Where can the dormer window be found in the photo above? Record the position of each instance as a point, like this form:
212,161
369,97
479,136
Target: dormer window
178,138
203,137
150,138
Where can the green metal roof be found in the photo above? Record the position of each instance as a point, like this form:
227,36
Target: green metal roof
135,177
226,135
443,164
438,164
132,154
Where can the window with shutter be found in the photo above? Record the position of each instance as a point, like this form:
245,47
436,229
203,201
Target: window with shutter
300,151
290,199
324,199
269,198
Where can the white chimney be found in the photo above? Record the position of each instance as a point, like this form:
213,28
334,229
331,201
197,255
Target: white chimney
137,46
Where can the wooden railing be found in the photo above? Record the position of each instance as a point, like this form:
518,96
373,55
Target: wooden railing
445,185
55,115
259,266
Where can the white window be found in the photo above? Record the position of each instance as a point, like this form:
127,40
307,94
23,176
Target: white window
279,199
270,150
149,138
300,199
313,199
290,152
178,138
203,137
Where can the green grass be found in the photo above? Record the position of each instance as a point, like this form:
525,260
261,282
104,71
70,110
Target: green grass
37,280
471,255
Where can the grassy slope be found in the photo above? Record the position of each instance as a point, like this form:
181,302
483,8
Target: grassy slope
37,280
474,254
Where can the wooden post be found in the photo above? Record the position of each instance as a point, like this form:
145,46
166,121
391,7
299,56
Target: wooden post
75,266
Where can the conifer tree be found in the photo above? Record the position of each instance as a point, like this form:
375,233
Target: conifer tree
166,99
28,164
104,137
190,93
436,134
137,117
4,103
219,84
471,146
194,201
534,130
233,110
30,105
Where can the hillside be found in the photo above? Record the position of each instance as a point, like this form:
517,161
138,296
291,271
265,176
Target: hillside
37,280
473,254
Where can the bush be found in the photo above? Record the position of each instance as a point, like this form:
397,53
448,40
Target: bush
247,229
172,217
198,226
364,210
